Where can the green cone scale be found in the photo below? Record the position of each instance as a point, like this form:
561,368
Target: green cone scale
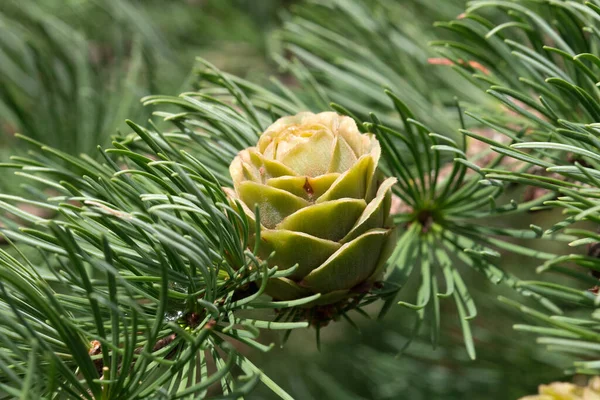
323,205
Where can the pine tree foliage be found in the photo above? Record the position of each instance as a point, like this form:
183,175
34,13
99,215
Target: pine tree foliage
536,58
365,366
443,212
353,49
145,286
147,279
56,86
135,222
542,64
72,72
441,205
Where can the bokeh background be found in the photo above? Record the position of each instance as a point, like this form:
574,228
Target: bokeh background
71,72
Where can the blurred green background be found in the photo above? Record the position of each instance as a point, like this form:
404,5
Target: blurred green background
71,71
